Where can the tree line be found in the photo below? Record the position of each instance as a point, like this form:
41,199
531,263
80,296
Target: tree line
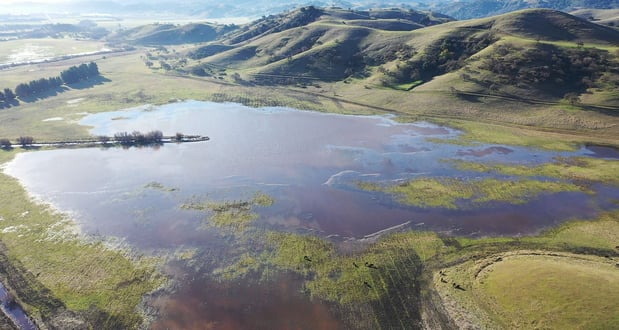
135,138
24,141
71,75
123,138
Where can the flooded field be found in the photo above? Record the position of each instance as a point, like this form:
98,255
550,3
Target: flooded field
31,51
311,165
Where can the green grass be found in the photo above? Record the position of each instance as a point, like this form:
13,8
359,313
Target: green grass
498,134
456,193
233,216
575,169
600,234
345,279
532,292
409,86
534,281
82,275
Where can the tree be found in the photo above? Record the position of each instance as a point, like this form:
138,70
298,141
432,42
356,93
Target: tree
25,141
123,138
104,139
23,90
75,74
93,69
138,137
237,77
165,66
8,94
5,144
573,98
154,137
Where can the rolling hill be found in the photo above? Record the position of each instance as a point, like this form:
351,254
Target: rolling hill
484,8
608,17
546,54
171,34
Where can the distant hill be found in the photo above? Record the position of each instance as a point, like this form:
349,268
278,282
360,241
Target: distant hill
484,8
608,17
209,9
387,19
538,53
170,34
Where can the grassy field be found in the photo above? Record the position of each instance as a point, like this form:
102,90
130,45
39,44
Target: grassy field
547,292
563,278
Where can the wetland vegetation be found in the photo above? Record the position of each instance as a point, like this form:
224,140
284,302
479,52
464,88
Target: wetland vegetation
357,222
487,278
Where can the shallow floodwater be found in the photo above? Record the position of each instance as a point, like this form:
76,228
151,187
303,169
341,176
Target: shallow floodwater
14,311
308,162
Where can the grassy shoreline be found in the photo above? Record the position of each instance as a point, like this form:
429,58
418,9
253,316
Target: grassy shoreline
127,83
60,277
443,281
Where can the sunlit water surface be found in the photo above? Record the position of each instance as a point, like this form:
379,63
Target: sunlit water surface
307,161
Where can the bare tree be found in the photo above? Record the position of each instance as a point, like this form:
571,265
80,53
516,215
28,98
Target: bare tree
104,139
25,141
123,138
179,137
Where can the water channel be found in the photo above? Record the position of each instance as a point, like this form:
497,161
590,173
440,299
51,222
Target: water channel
307,161
14,311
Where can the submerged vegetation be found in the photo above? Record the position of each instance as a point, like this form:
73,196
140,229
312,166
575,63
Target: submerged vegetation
235,216
58,276
577,169
453,193
398,278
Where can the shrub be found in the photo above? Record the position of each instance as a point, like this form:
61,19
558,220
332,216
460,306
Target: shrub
5,144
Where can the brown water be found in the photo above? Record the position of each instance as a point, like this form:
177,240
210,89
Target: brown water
307,161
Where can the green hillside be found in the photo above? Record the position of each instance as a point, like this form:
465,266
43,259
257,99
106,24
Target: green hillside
539,53
171,34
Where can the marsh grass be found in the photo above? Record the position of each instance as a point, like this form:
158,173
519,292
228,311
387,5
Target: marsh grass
576,169
386,279
159,186
454,193
232,216
88,278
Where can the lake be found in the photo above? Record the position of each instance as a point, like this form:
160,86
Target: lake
308,162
